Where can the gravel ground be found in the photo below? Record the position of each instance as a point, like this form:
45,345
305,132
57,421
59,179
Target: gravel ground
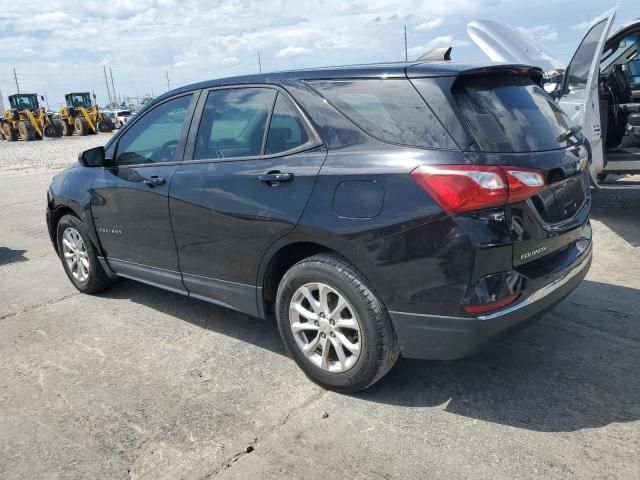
50,154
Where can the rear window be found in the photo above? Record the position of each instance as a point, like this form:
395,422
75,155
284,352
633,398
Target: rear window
390,110
511,114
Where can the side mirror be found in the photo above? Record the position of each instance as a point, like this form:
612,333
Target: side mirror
42,97
94,157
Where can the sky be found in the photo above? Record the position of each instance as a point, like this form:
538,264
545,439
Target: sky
60,46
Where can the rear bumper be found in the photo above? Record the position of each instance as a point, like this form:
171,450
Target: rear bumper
446,338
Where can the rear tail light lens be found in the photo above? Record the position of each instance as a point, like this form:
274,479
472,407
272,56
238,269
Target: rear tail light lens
523,183
464,188
491,307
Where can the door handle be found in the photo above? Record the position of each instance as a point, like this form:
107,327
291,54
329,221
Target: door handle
154,181
274,178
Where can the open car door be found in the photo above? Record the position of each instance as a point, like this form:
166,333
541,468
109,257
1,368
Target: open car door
579,97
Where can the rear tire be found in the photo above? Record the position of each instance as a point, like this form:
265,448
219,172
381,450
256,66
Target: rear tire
51,131
26,131
367,331
106,125
81,126
86,274
10,134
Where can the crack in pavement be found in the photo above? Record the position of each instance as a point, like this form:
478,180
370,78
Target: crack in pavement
273,429
37,307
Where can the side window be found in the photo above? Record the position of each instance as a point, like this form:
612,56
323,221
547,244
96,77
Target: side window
580,66
233,123
286,130
154,138
390,110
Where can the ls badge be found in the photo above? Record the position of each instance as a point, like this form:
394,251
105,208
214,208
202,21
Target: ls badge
111,231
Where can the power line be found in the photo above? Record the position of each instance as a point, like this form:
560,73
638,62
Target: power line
107,82
115,97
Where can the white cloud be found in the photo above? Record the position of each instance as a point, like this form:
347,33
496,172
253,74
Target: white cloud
196,40
581,26
46,21
430,25
442,41
292,51
544,33
230,61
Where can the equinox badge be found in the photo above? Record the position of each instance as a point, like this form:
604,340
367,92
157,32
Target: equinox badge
532,253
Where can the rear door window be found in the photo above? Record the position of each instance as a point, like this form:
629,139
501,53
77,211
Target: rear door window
511,114
233,123
286,129
390,110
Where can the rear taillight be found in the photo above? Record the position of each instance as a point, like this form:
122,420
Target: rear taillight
464,188
492,306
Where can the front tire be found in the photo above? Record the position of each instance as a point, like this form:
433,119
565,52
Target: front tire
67,128
333,324
81,126
26,131
79,257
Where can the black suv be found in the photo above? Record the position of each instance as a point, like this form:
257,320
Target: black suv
417,209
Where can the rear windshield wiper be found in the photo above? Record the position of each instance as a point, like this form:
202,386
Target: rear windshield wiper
569,133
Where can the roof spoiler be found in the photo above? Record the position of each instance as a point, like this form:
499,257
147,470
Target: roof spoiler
436,55
534,73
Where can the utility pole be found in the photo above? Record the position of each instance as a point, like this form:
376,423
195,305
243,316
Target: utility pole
115,97
15,77
107,82
168,81
259,63
406,56
46,100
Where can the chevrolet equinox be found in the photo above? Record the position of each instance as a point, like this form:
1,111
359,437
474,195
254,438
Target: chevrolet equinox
423,209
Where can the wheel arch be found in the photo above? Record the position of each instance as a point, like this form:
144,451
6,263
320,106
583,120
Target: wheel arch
56,214
277,262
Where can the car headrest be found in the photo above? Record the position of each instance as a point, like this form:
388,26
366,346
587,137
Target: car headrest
282,134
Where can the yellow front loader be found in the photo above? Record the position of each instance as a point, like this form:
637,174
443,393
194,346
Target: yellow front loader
83,117
28,121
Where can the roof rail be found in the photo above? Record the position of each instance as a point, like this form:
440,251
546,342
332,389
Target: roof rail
436,54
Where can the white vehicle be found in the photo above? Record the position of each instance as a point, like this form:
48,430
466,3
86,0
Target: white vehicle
599,89
119,117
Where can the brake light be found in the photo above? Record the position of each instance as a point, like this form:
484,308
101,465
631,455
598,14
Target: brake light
464,188
523,183
490,307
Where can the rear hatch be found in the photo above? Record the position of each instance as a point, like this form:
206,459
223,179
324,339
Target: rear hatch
513,122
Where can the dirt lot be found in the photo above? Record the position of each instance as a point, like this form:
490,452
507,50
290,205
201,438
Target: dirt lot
141,383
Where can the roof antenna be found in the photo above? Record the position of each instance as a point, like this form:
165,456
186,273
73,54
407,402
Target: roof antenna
436,55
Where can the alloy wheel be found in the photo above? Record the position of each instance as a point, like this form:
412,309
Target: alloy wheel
325,327
75,254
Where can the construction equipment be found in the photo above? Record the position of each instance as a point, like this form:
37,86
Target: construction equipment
26,120
82,116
